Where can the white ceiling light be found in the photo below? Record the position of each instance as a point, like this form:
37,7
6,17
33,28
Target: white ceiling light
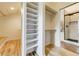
12,8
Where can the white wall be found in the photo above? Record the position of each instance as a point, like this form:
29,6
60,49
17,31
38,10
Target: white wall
57,33
48,20
10,26
47,37
49,27
62,25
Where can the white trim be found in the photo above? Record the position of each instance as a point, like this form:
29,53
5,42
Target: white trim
23,12
77,44
58,28
41,32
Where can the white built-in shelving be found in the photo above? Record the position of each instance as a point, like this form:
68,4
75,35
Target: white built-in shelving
32,27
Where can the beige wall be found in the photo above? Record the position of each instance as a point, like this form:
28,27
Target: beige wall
10,26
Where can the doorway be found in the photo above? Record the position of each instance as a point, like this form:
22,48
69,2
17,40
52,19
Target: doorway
10,29
49,29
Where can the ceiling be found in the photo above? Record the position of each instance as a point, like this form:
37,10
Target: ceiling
7,8
72,9
58,5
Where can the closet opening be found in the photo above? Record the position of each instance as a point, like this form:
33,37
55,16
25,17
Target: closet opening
10,29
49,29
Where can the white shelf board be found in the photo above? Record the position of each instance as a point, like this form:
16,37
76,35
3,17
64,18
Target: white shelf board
32,15
32,34
50,29
31,19
31,40
31,29
35,3
31,9
31,24
31,47
31,50
32,5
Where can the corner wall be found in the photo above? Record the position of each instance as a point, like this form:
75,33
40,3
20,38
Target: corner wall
10,26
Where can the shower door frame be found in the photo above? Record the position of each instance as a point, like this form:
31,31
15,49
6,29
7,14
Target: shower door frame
77,44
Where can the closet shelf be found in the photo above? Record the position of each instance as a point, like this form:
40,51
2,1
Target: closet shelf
35,3
31,24
31,47
50,29
32,15
32,10
31,5
31,29
32,34
31,50
31,19
31,40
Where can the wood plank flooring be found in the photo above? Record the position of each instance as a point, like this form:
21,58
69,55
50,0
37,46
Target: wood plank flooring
50,50
50,46
70,47
11,48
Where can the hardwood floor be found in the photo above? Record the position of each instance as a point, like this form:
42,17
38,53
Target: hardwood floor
50,50
2,39
50,46
70,47
56,51
11,48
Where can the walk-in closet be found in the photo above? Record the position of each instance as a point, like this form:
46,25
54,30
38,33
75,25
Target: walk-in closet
49,29
10,29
